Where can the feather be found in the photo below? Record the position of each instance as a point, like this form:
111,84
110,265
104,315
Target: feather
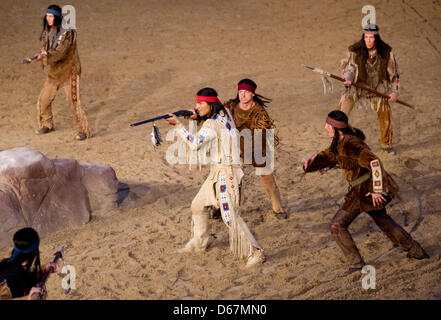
156,136
327,85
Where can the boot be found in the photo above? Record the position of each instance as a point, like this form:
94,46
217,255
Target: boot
44,130
273,192
80,136
417,252
352,270
200,235
390,150
256,258
280,215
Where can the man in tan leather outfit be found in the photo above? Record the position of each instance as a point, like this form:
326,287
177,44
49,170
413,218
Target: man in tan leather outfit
371,62
59,51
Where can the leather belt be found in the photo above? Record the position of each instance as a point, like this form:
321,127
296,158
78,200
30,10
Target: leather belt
358,181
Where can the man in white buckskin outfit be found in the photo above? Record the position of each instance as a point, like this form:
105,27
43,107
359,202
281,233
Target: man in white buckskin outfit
221,188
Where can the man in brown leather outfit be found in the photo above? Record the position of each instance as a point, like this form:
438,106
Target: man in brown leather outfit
248,110
371,188
371,62
59,51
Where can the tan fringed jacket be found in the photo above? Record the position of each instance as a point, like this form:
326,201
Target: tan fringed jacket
62,53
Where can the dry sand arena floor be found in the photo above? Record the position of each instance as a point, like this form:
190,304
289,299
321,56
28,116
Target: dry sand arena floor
141,59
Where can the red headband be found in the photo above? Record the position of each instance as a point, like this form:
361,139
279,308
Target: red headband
208,99
247,87
338,124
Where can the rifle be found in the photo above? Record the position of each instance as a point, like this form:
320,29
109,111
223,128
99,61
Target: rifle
180,113
358,85
58,254
29,60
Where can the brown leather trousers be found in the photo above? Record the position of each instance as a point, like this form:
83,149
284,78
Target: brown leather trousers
71,86
339,230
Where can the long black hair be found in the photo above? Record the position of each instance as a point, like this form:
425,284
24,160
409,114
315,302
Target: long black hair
381,46
216,107
341,116
57,20
257,97
26,243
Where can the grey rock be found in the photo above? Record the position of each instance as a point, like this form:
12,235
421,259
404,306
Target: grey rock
50,195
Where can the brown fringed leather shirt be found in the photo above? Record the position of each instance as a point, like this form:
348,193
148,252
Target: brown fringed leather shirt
356,159
255,118
62,53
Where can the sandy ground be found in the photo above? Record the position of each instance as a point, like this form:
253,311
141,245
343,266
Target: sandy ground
145,58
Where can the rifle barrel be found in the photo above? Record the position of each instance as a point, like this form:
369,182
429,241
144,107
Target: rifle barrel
149,120
180,113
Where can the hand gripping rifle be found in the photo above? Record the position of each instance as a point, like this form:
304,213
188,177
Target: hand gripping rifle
358,85
29,60
156,135
59,254
180,113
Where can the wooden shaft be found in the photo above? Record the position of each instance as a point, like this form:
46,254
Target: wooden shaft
371,90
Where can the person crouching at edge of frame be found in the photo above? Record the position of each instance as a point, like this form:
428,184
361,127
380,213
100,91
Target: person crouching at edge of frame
60,52
221,188
371,188
248,110
21,272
